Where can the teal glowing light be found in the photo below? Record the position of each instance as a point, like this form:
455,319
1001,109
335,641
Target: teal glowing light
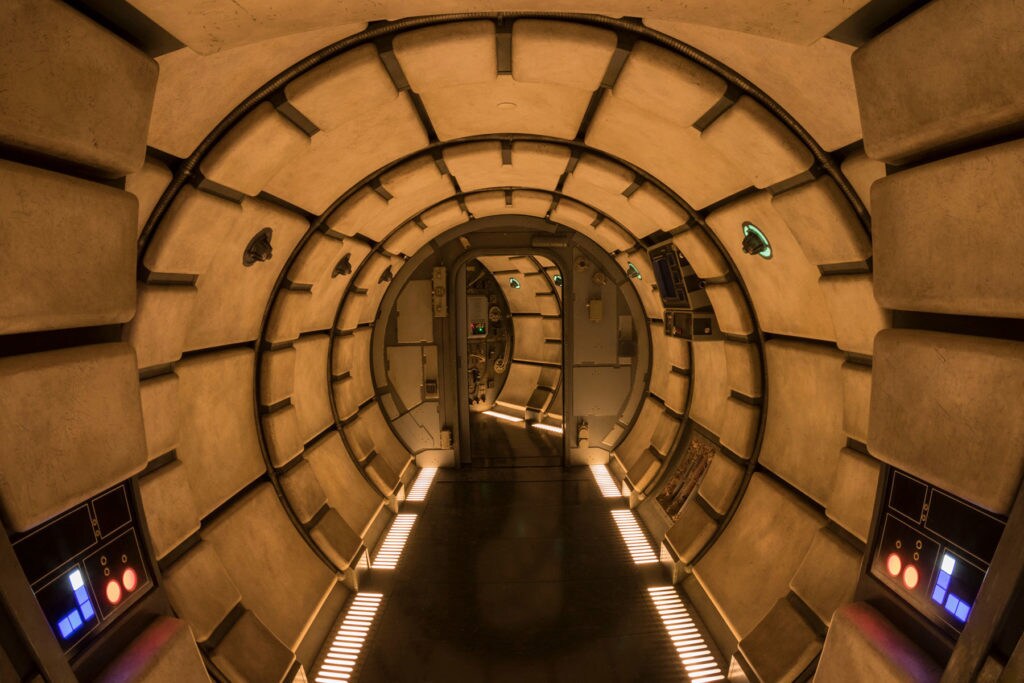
755,241
558,280
514,283
633,271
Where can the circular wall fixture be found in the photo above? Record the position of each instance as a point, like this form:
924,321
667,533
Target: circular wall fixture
558,280
633,271
755,242
514,283
259,248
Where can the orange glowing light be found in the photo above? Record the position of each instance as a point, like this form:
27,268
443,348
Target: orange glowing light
894,564
911,577
130,579
113,592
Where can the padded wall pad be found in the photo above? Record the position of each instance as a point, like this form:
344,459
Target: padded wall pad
372,137
945,234
159,398
262,551
930,390
218,428
914,91
171,515
232,297
754,140
750,565
347,491
668,85
73,90
823,222
70,427
254,150
709,384
784,289
148,184
672,152
851,502
200,589
157,333
804,427
856,315
191,232
67,251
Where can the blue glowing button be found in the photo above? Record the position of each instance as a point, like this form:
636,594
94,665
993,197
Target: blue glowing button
952,603
938,595
76,619
943,580
962,610
64,625
87,611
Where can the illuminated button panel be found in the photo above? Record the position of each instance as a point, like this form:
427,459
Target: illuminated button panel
86,567
934,549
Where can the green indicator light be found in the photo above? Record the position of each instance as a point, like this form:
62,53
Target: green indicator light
755,241
633,271
558,280
514,283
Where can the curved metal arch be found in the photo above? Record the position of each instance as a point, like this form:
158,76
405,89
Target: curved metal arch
381,247
188,168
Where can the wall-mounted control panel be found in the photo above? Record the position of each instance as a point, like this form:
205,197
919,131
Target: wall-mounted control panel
86,566
692,325
933,549
688,310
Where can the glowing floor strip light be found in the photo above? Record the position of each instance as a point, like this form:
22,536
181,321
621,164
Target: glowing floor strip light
693,651
503,416
343,654
394,543
418,493
633,535
605,482
547,428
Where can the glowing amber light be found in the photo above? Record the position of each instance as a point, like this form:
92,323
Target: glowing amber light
113,592
894,564
911,577
130,579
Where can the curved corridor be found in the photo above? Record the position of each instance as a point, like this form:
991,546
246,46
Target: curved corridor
705,318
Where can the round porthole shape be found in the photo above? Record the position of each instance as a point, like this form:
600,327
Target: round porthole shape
755,242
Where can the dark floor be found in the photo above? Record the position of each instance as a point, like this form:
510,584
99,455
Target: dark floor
516,574
497,443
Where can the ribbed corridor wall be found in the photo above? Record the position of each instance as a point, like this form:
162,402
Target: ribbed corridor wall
192,308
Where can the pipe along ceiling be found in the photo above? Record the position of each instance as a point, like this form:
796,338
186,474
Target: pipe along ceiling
204,250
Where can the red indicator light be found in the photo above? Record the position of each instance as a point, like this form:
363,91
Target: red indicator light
894,564
130,579
113,592
911,577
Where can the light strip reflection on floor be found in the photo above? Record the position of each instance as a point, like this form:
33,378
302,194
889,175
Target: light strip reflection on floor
547,428
605,482
394,543
503,416
633,535
343,653
694,654
419,490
